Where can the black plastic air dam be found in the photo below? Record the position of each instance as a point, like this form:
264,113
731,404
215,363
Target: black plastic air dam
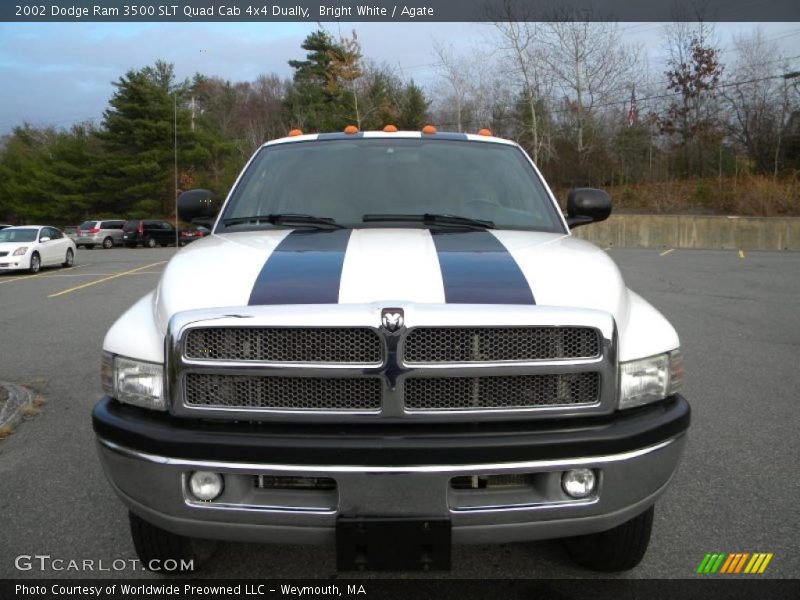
386,445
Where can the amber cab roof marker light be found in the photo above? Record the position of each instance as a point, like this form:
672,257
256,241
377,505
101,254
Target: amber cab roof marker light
295,132
429,130
486,132
351,129
390,129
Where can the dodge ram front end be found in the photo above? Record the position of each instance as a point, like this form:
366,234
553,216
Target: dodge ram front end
392,344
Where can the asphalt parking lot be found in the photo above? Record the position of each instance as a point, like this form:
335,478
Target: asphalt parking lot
737,489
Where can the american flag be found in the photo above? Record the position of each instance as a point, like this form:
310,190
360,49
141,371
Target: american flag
632,109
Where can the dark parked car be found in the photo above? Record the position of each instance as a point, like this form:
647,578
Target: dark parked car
192,233
150,233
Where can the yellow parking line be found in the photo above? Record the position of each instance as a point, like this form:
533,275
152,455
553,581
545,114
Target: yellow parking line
104,279
667,252
741,253
40,275
100,274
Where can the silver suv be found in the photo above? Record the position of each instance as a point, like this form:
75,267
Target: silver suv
104,233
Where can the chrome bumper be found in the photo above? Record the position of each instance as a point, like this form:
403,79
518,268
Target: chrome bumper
154,487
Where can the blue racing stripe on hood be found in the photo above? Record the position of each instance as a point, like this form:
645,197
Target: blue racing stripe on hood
478,269
305,268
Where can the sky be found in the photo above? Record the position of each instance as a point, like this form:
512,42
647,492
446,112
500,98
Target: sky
60,73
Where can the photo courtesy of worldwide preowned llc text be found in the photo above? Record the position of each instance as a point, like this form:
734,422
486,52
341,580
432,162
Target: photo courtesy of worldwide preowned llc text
439,299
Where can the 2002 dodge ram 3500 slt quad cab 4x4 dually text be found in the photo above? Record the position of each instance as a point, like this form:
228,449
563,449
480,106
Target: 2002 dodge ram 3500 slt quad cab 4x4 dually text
391,343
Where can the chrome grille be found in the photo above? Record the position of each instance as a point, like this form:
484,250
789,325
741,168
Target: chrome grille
475,344
284,344
271,363
282,393
501,392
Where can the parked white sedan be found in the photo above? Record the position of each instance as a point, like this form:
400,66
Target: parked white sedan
34,246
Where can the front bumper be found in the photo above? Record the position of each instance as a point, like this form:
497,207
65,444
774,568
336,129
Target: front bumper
389,472
16,263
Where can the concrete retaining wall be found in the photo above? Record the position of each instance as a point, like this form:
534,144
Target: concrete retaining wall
694,231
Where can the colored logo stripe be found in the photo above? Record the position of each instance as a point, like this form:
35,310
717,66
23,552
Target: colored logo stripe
710,563
734,563
305,268
478,269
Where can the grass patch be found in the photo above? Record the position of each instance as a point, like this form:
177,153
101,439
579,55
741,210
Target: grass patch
29,410
744,195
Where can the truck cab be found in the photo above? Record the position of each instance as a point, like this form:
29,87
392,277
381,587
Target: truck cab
391,343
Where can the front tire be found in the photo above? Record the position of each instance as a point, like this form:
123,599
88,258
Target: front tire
617,549
150,243
155,544
69,259
108,243
36,263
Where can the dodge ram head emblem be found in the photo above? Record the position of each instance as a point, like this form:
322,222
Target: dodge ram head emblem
392,319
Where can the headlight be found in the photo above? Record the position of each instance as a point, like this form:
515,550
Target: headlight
20,251
650,379
133,381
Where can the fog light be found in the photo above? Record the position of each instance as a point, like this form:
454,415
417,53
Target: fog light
578,483
205,485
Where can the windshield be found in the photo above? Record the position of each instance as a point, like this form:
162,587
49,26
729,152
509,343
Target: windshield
18,235
348,179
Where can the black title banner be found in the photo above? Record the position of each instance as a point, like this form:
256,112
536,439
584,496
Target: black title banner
399,589
398,11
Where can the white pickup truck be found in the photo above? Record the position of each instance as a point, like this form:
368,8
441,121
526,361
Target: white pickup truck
390,343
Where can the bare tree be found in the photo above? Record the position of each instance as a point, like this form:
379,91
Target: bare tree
589,66
693,74
260,110
756,104
454,71
346,69
520,45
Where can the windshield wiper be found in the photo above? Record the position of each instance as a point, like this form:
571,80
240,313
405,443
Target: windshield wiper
284,219
433,219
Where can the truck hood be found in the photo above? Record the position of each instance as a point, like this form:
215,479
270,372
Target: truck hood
383,265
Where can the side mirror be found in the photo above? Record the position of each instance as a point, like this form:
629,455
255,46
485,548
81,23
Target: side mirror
197,206
44,239
587,205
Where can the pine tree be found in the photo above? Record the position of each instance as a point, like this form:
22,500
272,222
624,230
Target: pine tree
323,97
136,176
72,154
23,188
45,175
414,109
